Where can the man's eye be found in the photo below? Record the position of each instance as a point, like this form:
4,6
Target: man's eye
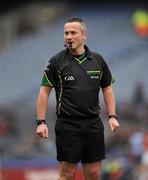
73,33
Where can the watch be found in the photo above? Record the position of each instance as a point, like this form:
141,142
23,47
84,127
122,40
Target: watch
113,116
40,121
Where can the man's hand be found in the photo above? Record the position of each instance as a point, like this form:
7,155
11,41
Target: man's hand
42,130
113,124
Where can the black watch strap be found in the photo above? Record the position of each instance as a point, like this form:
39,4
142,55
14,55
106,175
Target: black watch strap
40,121
113,116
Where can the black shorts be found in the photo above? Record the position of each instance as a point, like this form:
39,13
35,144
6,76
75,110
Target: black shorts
86,145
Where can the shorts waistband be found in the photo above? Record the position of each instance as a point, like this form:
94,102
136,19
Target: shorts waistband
77,117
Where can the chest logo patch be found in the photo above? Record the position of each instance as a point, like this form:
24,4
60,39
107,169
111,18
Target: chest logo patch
94,74
69,78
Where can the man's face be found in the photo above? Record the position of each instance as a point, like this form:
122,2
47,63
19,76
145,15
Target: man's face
74,35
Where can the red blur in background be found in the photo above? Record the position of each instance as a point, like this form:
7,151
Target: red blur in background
33,174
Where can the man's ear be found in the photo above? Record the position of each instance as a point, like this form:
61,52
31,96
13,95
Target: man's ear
85,35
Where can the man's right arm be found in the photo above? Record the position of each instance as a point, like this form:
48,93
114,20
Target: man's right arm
42,104
42,101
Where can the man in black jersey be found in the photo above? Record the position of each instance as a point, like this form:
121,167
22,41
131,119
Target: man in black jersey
77,74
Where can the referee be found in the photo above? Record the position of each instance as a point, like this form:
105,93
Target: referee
77,74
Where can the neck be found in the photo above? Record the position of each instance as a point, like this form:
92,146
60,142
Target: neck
78,51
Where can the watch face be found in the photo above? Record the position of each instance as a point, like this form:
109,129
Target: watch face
38,122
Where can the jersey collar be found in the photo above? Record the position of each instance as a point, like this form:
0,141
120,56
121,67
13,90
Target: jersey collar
88,53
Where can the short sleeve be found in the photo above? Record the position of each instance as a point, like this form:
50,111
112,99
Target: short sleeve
49,74
106,76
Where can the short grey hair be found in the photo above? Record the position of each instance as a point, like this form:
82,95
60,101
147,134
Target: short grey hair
79,20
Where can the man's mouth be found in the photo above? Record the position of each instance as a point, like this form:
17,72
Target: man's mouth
69,44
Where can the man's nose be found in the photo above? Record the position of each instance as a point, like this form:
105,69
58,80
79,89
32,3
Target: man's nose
69,36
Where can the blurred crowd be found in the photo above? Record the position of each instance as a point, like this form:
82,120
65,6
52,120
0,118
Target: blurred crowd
127,149
29,18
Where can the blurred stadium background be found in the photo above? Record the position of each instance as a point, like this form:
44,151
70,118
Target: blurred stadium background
30,33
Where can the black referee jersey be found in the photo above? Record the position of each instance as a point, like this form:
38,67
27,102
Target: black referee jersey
77,84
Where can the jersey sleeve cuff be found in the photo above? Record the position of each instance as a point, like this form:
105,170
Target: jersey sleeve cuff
45,81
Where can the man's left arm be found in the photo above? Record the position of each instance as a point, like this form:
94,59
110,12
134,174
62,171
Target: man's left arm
109,99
